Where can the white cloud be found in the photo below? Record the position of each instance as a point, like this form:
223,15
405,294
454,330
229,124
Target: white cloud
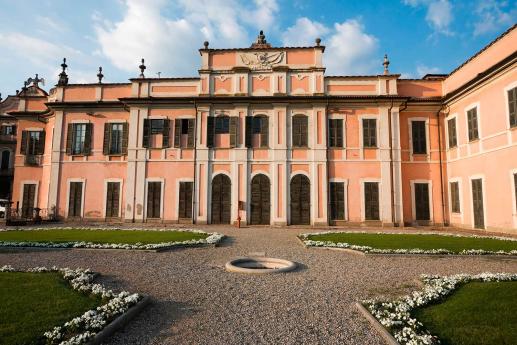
493,15
439,14
350,49
170,45
422,70
303,33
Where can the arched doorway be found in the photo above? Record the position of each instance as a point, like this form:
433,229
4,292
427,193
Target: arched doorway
260,200
221,199
300,200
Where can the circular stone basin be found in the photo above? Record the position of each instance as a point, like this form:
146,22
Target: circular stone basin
260,265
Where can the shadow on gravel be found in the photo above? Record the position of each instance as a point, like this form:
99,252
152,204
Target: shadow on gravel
155,321
300,267
227,242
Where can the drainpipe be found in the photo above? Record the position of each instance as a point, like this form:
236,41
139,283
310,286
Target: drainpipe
441,164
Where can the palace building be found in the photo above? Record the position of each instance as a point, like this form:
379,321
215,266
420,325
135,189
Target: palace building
264,136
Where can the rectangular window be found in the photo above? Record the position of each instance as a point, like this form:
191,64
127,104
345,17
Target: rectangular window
112,199
116,138
29,194
75,199
335,133
451,128
79,138
154,195
371,201
185,200
337,200
512,106
8,130
157,126
222,125
418,134
455,197
369,133
300,131
472,119
33,144
184,132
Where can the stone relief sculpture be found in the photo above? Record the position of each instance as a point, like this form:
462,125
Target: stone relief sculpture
262,61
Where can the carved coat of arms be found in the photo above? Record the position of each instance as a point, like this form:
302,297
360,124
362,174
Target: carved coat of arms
262,61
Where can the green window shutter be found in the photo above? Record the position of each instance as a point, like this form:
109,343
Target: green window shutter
512,106
249,127
419,137
177,132
210,131
369,133
146,133
125,137
264,131
166,133
371,200
304,131
331,133
190,133
234,126
23,143
41,143
69,138
88,139
106,141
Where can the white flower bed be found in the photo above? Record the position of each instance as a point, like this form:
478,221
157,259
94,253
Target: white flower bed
213,238
83,328
371,250
396,315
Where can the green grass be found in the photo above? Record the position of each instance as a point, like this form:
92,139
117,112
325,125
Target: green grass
477,313
33,303
416,241
100,236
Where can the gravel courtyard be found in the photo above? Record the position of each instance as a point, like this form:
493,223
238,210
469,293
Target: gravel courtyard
194,301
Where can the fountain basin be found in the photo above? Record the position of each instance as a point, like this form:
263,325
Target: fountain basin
259,265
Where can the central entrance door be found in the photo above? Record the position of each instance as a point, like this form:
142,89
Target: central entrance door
300,200
260,200
221,199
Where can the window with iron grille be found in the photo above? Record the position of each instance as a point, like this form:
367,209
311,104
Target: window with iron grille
369,133
335,133
418,136
300,131
472,119
455,197
512,106
75,199
451,129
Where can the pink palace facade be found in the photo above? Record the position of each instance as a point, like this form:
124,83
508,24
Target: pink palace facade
264,136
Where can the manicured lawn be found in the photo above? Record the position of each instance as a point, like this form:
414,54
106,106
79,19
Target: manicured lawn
477,313
412,241
100,236
33,303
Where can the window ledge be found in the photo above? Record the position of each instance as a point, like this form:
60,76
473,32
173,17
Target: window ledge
474,141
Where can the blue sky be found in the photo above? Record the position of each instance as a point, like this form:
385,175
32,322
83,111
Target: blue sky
420,36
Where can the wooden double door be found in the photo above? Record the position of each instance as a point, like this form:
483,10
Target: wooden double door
221,200
260,205
300,192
